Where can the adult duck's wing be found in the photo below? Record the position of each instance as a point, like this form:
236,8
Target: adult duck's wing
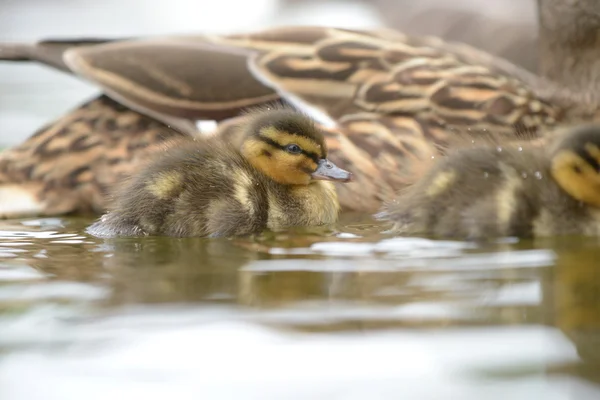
175,80
175,77
334,71
345,72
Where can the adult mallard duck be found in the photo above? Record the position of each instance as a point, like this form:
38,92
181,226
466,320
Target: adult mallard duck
487,190
387,99
277,178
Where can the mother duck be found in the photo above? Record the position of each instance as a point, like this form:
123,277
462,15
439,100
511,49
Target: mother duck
388,101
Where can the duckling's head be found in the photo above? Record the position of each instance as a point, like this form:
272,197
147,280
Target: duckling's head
575,163
288,147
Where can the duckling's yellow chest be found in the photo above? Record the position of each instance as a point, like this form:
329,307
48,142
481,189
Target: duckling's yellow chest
303,205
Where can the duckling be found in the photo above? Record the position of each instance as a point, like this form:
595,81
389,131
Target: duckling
519,189
209,187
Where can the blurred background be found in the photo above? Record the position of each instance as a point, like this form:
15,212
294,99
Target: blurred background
32,95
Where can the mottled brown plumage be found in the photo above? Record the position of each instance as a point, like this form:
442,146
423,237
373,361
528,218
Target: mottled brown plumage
387,100
486,191
211,187
69,166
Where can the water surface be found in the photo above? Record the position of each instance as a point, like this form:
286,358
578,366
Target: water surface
343,312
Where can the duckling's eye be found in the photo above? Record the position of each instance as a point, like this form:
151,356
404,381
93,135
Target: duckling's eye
577,169
293,148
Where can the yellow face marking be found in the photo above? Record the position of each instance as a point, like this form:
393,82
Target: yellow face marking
441,183
165,185
577,177
278,164
271,163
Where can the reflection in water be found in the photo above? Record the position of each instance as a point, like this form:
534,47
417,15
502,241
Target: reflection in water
166,270
574,298
576,295
451,301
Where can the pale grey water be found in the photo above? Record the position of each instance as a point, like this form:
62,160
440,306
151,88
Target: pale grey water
327,313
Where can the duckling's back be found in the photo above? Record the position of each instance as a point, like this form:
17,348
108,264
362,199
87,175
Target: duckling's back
198,188
475,193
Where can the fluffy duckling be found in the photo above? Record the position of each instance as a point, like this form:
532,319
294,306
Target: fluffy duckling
519,190
210,187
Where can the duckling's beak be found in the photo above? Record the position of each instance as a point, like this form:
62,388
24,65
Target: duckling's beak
328,171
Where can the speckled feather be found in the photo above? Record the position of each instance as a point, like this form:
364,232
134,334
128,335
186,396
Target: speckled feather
69,166
394,100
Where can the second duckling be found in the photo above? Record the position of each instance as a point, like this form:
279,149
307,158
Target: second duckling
511,190
212,188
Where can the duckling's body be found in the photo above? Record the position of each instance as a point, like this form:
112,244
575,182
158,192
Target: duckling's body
513,190
211,188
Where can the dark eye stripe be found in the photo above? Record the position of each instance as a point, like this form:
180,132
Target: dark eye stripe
590,160
313,156
271,142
